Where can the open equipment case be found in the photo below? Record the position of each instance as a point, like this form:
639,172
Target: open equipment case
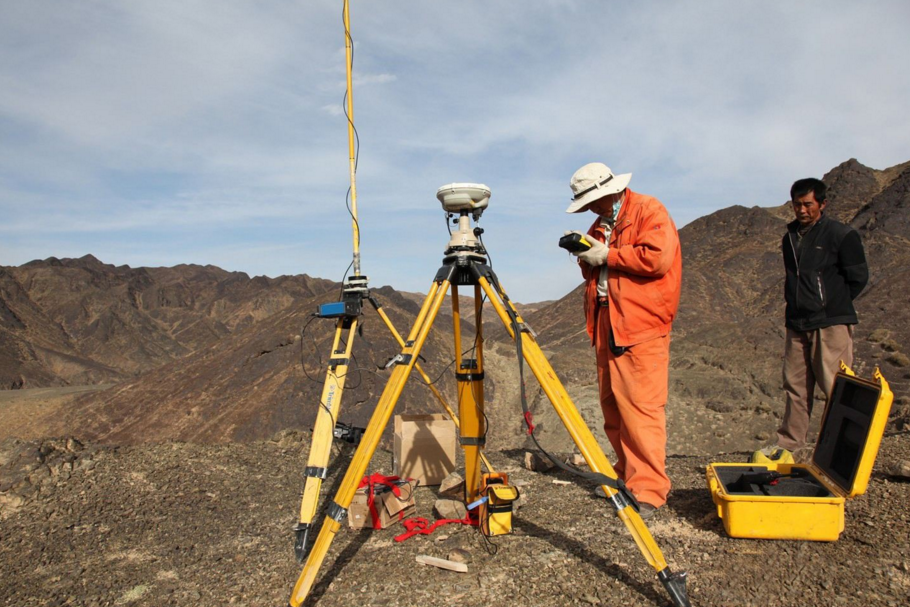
806,501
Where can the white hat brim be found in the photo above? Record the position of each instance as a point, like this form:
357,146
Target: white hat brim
615,185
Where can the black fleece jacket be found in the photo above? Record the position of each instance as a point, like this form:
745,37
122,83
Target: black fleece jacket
825,273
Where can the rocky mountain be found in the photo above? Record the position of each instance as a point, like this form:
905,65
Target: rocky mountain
261,379
221,357
725,386
79,321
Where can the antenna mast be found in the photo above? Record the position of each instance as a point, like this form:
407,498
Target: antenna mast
352,151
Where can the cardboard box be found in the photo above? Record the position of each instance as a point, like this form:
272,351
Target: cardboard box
807,502
391,508
424,447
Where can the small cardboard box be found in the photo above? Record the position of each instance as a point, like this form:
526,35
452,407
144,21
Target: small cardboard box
391,508
809,505
424,447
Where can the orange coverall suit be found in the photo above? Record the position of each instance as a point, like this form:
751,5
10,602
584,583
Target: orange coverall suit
644,280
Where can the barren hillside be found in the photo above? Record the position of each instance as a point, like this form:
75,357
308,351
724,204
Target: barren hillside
222,358
81,321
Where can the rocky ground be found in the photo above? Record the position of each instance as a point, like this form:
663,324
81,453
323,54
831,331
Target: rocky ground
186,524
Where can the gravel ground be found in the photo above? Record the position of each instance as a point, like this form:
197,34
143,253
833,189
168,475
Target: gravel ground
185,524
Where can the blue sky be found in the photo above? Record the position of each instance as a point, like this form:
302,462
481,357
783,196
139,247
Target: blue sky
154,133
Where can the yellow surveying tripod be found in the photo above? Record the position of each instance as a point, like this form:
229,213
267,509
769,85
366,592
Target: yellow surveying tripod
465,264
347,312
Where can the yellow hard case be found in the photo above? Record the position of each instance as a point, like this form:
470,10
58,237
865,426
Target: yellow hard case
810,506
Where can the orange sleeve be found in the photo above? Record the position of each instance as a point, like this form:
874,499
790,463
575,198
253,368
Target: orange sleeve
654,247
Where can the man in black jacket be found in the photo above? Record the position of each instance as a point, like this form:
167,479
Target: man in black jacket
826,270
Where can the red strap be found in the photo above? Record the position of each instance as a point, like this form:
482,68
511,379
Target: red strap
371,481
421,526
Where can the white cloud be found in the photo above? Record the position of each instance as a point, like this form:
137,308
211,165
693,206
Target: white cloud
122,118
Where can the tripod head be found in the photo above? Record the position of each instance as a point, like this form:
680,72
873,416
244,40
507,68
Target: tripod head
465,199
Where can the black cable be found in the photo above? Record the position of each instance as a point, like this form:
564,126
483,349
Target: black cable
486,252
344,278
303,366
315,348
441,373
488,545
347,204
344,106
477,323
599,478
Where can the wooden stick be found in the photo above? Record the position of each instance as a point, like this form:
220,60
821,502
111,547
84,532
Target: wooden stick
424,559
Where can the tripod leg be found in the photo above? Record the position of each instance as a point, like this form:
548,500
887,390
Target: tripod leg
675,584
426,378
321,445
469,375
338,510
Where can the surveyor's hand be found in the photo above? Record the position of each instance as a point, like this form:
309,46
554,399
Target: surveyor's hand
596,255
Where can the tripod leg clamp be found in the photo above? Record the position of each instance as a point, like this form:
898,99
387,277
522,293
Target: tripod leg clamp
399,359
314,472
336,512
623,497
472,441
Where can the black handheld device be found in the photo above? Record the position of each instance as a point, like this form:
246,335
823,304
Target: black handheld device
574,242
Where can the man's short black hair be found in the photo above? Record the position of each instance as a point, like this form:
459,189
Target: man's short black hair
809,184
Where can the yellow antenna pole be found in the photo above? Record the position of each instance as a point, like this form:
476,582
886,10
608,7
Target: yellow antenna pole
352,153
355,290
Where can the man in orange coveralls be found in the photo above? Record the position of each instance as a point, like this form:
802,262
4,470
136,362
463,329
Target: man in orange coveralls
633,274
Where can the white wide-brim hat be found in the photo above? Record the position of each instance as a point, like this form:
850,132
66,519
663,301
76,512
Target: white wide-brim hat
593,181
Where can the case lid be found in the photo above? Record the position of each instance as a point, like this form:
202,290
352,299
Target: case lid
851,430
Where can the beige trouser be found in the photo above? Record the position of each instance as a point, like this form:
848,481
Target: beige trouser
810,358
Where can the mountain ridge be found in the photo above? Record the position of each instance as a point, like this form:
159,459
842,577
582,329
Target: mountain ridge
219,366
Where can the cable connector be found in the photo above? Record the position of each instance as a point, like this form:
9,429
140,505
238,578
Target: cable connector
348,433
399,359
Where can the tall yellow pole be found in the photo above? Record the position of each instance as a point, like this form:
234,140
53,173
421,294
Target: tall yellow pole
352,152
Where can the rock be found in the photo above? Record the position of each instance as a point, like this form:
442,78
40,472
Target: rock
446,508
521,501
898,359
720,406
9,504
900,469
889,345
287,438
39,475
576,459
452,486
879,335
459,555
536,463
